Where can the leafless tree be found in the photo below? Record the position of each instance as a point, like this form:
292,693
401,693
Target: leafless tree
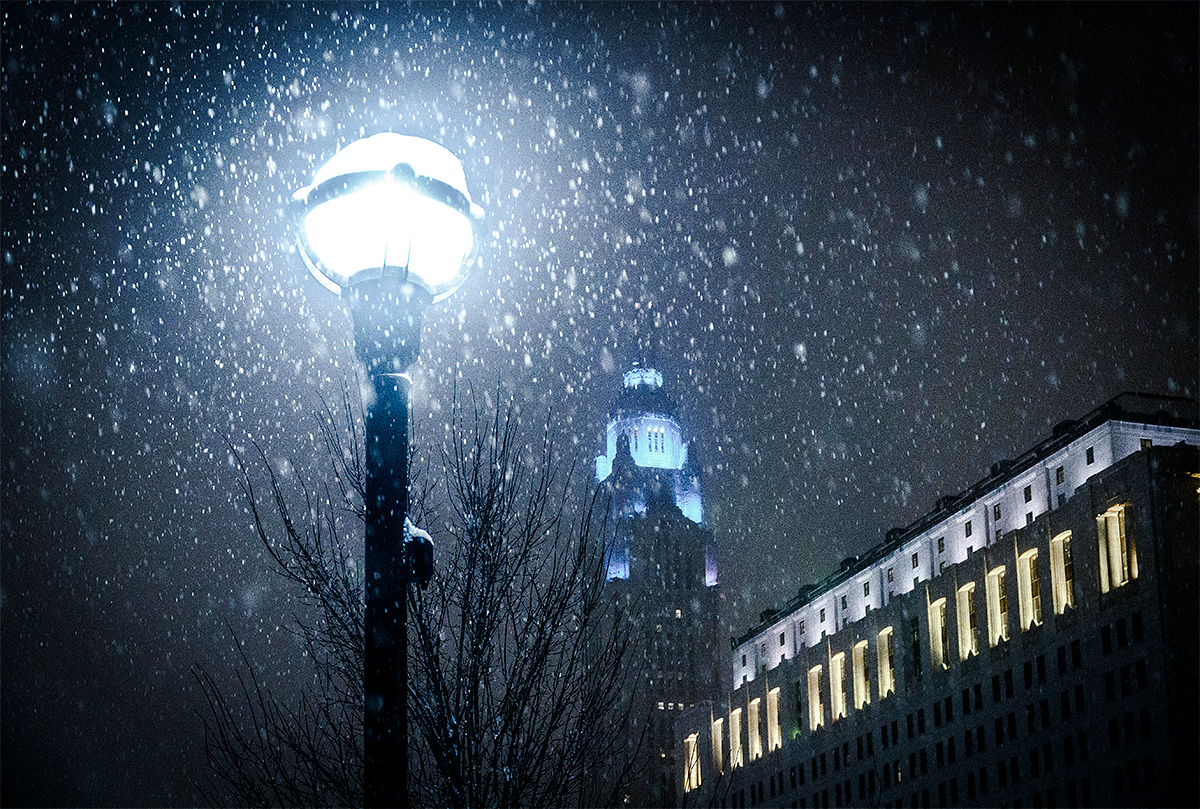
519,688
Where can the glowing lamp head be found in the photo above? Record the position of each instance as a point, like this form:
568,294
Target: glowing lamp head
389,206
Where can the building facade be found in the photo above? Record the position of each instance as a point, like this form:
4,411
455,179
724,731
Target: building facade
1031,642
660,564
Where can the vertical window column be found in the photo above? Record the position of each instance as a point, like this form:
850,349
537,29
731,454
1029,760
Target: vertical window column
837,686
997,604
1029,590
816,711
752,727
862,682
1118,554
774,732
968,633
884,651
718,745
1062,573
691,763
939,640
735,739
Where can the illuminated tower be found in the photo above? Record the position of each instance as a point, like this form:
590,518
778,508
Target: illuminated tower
662,563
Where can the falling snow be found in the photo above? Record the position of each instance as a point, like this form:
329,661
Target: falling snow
872,249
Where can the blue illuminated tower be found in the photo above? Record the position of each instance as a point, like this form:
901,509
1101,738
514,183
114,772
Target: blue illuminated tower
661,562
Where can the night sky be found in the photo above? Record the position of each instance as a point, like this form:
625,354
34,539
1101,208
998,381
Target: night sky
873,249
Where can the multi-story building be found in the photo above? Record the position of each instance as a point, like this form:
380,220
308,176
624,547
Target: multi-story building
1031,642
661,565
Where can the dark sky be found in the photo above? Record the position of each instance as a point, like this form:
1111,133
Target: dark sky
873,248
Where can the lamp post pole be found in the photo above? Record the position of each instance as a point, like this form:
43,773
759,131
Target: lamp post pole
388,223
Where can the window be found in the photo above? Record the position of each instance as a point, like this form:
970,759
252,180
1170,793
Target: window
1028,494
1059,476
915,559
678,614
996,512
822,616
1147,443
718,741
837,686
1118,554
1062,575
941,544
735,738
866,589
1091,456
890,578
968,624
782,638
1029,590
801,628
939,640
774,733
743,660
752,727
884,651
997,601
816,712
862,681
843,603
691,764
967,529
914,639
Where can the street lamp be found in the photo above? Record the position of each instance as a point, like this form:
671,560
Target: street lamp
388,224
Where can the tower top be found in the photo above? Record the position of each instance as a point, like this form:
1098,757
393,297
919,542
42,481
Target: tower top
638,376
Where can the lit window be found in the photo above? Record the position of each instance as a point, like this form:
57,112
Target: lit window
915,558
816,711
997,599
718,742
939,639
678,613
774,732
1029,589
1062,572
886,655
662,706
968,626
735,738
691,763
1118,554
862,682
967,529
752,728
837,686
1147,443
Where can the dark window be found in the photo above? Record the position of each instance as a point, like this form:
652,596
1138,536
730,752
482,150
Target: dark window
793,776
1062,659
1114,734
1028,674
910,725
1059,476
1002,773
978,696
1144,715
1076,656
941,754
950,750
895,730
1148,769
920,720
1008,684
1083,745
967,529
1106,639
1034,765
1139,669
912,765
924,762
837,763
980,739
949,709
970,785
937,714
1091,456
1041,669
1130,728
1044,707
1012,725
996,512
969,743
1028,494
1068,750
1126,683
1137,625
1122,636
1048,757
870,743
782,638
823,768
1031,718
1118,782
995,688
966,702
1014,766
1134,782
1064,705
1110,686
983,784
999,730
1079,706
